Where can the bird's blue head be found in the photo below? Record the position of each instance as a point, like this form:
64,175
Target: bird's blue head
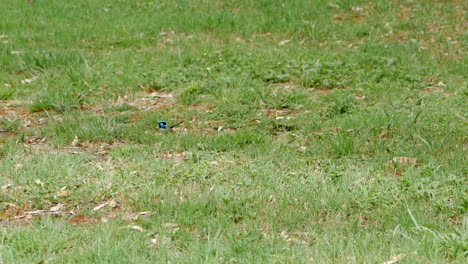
162,125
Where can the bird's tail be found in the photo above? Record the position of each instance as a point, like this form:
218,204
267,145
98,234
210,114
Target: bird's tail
176,124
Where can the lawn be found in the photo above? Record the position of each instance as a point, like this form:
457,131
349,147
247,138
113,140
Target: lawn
312,131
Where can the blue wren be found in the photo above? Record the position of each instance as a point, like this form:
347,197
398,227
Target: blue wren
164,127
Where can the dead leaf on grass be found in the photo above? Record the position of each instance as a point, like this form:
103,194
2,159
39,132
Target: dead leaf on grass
272,199
36,212
75,142
357,9
135,216
405,160
178,157
111,203
39,182
144,214
395,259
162,95
298,236
62,193
431,89
26,81
276,112
4,187
135,227
284,42
35,140
99,207
57,208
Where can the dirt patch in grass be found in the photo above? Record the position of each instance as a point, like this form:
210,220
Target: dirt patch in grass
20,214
15,117
84,220
14,108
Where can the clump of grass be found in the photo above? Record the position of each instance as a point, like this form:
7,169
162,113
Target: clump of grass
6,93
46,60
9,125
342,143
59,102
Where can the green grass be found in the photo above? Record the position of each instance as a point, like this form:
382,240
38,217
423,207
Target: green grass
314,131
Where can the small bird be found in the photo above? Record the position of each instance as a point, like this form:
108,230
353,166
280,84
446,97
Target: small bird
163,125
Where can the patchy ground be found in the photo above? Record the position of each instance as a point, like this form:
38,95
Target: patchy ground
305,132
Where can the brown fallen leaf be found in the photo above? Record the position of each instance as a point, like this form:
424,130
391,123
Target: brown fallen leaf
6,186
36,212
75,142
99,207
284,42
23,217
62,193
162,95
357,9
135,216
39,182
144,214
35,140
57,207
26,81
272,199
395,259
431,89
